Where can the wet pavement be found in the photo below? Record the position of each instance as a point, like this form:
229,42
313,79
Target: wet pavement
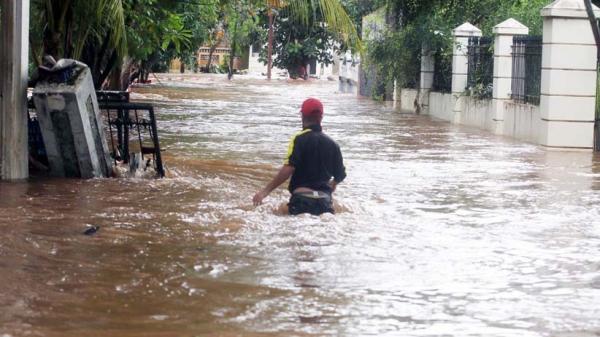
441,231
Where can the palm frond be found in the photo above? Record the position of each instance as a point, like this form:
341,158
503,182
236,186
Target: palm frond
113,11
100,17
333,16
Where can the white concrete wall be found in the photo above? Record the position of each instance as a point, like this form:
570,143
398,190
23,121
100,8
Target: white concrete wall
462,110
407,99
256,67
442,106
522,121
348,74
478,113
324,71
349,71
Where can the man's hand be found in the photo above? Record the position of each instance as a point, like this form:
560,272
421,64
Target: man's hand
284,174
333,185
258,198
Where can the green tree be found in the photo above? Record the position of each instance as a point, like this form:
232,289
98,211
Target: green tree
240,23
160,31
199,19
92,31
297,45
329,13
111,35
356,9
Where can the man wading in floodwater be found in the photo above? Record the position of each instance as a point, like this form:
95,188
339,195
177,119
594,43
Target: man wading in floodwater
314,161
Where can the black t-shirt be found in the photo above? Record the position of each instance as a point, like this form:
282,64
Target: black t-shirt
316,159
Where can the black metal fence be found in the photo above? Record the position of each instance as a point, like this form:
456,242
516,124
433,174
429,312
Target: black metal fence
413,79
480,77
526,69
37,150
131,124
442,73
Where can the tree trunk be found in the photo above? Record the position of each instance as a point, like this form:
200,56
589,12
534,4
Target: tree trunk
230,74
270,45
126,73
112,61
210,54
114,80
182,67
232,51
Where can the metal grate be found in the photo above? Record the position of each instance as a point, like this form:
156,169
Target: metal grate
413,76
526,69
480,78
37,150
442,74
131,124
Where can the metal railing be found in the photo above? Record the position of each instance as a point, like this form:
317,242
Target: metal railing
413,79
37,150
442,74
526,69
480,79
131,124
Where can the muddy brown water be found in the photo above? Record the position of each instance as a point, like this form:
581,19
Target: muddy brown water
443,230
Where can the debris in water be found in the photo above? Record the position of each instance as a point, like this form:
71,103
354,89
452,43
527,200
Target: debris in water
91,230
159,317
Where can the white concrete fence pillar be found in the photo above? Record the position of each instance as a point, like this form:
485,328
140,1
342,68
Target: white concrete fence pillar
568,88
503,41
460,64
426,79
14,59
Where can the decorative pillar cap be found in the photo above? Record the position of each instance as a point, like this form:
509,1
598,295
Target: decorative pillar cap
511,27
568,9
466,30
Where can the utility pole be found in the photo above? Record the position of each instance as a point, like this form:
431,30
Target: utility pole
270,44
14,59
596,31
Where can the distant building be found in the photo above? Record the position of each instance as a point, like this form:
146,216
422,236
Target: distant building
257,67
314,68
220,57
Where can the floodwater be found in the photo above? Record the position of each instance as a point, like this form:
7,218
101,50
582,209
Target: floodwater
442,230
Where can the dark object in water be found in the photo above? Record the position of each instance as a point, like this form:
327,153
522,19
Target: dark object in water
91,230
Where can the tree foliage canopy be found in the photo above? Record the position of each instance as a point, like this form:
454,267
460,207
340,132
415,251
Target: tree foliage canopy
102,32
111,34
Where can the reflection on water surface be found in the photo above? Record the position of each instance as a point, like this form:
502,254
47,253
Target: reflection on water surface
444,230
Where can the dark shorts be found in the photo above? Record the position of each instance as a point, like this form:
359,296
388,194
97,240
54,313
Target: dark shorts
313,203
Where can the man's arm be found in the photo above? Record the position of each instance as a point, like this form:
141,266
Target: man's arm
284,174
339,172
333,184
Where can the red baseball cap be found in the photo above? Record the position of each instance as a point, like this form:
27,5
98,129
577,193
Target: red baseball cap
312,107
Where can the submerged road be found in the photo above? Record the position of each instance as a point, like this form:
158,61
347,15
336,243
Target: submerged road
442,230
